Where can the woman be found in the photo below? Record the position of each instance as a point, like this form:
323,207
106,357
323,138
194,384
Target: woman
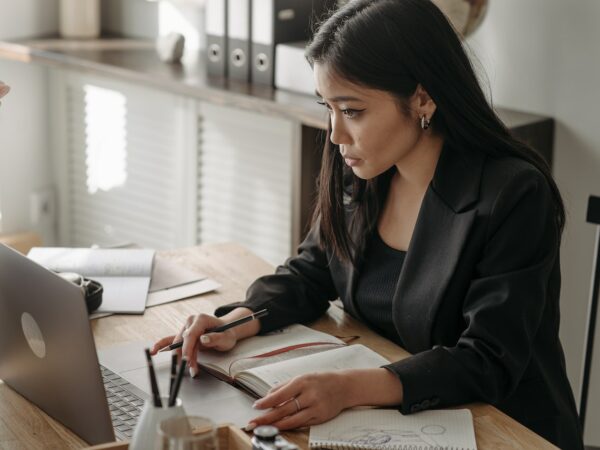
433,225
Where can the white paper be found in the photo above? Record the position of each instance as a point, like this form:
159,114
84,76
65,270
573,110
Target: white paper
123,273
168,274
389,429
181,292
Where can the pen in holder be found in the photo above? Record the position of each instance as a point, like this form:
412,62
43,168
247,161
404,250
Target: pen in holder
158,408
144,435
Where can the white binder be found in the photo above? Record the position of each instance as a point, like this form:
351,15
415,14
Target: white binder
216,37
238,42
292,70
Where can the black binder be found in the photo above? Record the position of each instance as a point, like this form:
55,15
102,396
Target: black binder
279,21
216,37
239,28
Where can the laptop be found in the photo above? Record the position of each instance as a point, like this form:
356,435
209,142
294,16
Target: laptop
48,355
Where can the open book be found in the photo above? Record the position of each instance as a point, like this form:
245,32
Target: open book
387,429
259,363
123,273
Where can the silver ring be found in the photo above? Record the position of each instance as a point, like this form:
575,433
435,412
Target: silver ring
297,404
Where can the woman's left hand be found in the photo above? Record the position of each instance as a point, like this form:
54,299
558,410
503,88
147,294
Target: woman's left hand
303,401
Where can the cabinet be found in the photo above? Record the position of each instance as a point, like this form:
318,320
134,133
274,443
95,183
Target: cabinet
139,165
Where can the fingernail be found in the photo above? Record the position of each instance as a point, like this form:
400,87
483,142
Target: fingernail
251,426
205,339
193,372
256,405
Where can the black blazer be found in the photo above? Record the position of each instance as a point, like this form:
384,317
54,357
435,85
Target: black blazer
477,302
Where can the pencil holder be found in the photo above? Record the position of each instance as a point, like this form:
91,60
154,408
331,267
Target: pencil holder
144,435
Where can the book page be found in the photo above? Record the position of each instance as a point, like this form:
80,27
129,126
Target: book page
96,262
260,347
389,429
243,364
123,294
261,379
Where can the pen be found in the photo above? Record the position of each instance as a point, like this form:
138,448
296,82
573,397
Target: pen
153,383
177,385
173,372
220,328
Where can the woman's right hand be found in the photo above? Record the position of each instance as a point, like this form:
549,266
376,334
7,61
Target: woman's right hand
195,339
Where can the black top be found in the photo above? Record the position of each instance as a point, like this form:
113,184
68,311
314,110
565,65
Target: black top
477,300
376,286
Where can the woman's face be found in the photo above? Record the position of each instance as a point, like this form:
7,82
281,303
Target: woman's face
372,131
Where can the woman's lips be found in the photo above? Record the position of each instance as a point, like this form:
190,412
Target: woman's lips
352,161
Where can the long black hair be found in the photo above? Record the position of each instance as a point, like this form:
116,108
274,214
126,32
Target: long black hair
393,46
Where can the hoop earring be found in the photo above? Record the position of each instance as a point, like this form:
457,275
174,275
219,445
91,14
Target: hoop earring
425,122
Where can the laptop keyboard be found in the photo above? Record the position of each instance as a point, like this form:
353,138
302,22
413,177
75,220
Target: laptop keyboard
125,407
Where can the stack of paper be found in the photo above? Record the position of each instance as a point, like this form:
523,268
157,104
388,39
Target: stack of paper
172,281
133,278
124,273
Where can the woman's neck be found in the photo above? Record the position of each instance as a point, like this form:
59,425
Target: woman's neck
416,169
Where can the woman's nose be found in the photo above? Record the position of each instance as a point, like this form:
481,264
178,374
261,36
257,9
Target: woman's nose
339,134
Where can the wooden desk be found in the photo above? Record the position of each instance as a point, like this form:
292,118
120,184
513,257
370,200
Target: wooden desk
24,426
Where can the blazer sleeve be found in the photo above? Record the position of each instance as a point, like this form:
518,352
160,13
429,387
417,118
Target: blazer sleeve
502,308
298,292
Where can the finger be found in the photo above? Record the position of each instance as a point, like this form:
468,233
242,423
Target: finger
179,338
161,343
277,387
191,340
218,341
277,413
302,419
286,392
193,363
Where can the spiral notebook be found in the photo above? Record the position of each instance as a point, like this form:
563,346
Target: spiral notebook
386,429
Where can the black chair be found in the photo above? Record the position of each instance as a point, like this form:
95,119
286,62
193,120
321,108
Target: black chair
593,216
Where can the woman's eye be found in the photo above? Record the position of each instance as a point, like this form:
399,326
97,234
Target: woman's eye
349,113
325,105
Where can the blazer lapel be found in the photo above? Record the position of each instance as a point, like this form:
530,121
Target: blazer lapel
442,228
434,250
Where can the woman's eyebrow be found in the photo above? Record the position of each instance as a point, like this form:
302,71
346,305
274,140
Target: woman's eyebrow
341,98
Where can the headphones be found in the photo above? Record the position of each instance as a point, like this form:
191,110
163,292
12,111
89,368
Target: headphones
92,290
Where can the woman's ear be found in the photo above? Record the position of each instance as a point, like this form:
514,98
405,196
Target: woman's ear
422,104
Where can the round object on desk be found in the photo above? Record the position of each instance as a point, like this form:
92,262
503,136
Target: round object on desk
170,47
92,290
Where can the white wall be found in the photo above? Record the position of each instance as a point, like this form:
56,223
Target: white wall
25,18
135,18
140,18
541,56
24,137
24,146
